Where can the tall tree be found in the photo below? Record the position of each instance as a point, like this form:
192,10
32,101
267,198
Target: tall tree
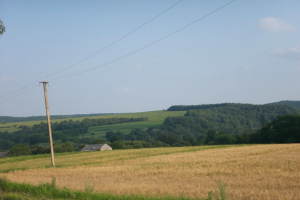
2,27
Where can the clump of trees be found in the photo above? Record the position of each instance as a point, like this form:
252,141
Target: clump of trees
23,149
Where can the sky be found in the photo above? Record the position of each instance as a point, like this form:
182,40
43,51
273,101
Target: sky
245,52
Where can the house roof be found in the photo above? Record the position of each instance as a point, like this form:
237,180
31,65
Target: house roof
92,147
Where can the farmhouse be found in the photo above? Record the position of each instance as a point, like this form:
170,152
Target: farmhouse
96,147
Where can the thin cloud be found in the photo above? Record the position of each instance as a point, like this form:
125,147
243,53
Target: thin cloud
275,25
247,68
12,78
292,53
137,67
123,89
5,78
278,51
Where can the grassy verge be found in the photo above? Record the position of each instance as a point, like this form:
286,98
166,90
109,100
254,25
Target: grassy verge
11,190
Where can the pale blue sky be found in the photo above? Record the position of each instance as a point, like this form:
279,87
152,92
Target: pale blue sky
247,52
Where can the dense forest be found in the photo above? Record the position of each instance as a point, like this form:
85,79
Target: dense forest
284,129
226,124
8,119
63,131
230,118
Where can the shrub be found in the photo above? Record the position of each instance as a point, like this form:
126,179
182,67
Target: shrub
19,150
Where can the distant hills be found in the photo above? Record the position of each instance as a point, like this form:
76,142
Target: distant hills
8,119
295,104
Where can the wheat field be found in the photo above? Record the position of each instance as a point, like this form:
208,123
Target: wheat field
251,172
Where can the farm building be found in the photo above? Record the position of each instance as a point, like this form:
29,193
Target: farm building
96,147
3,154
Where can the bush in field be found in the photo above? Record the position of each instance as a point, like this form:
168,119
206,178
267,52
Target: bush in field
119,144
81,146
20,150
99,141
58,148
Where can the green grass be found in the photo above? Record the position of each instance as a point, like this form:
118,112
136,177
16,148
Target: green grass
153,116
24,191
100,131
10,130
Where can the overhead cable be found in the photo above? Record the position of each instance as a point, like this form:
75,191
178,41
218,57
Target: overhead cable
144,47
111,44
19,93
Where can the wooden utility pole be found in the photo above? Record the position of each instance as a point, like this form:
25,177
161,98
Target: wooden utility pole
48,120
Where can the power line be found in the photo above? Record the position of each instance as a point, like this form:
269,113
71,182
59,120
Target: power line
19,89
178,30
210,13
111,44
19,93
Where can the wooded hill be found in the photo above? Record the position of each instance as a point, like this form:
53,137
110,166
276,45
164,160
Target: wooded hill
231,118
234,123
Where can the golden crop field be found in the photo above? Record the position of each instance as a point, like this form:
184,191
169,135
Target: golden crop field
251,172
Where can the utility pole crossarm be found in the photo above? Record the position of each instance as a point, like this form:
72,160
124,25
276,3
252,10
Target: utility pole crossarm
48,120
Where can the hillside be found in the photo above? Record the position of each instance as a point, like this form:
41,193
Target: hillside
8,119
160,128
78,130
153,117
295,104
229,121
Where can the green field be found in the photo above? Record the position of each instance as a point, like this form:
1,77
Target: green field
154,117
100,131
